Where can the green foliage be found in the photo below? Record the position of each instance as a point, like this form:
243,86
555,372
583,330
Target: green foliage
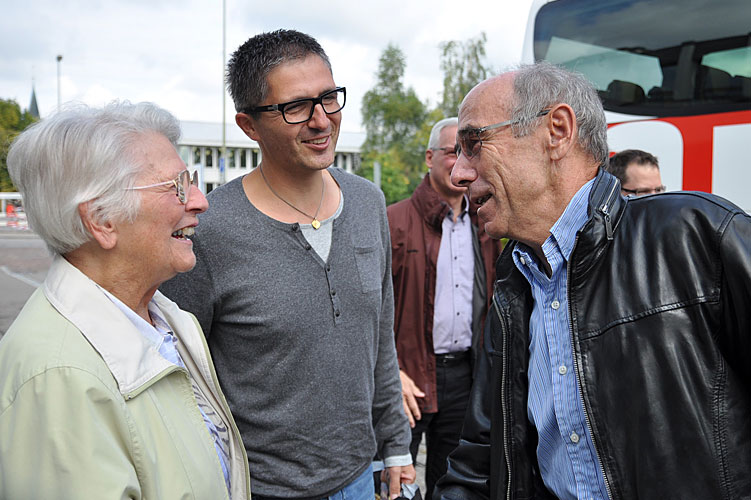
393,117
395,183
463,68
398,124
12,121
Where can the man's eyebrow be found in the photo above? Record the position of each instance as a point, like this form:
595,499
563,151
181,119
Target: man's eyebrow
314,97
467,129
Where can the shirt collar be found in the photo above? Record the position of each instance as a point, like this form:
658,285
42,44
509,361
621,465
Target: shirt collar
153,333
462,211
573,218
562,234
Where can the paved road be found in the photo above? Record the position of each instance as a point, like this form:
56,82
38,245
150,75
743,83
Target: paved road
24,261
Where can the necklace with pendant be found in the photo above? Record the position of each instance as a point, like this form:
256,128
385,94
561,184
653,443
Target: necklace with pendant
315,223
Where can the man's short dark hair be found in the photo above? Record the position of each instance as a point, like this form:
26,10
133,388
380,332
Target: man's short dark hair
619,161
250,65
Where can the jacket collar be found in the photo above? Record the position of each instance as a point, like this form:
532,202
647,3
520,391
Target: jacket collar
432,207
429,204
133,360
606,200
605,210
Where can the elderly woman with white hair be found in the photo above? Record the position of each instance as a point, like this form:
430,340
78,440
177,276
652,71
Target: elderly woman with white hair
107,388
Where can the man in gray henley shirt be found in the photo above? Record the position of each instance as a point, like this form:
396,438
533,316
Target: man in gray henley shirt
293,288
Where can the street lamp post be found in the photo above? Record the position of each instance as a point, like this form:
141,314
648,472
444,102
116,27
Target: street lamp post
223,164
59,58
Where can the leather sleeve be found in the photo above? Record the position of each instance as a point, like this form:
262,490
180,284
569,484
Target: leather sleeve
735,248
468,474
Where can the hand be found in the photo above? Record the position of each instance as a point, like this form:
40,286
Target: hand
396,476
410,393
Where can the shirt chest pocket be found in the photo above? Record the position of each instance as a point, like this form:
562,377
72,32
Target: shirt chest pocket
368,268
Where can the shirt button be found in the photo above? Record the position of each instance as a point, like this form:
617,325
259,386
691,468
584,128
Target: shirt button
574,437
562,369
333,292
523,261
555,304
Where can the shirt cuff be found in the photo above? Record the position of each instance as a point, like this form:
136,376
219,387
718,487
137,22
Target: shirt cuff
398,461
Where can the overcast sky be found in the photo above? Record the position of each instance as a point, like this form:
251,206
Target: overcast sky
170,52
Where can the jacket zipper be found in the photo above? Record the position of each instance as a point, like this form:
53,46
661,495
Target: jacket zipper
504,409
605,210
573,354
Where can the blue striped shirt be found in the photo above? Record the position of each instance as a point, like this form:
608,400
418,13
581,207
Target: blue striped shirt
565,452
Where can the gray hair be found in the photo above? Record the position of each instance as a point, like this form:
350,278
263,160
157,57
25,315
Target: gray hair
542,85
435,134
81,155
250,65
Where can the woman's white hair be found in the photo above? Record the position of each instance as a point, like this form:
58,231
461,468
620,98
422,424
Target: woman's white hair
80,155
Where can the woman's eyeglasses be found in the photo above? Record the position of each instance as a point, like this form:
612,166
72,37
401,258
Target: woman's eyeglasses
182,184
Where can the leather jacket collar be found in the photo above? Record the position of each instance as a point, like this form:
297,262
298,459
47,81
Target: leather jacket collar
606,207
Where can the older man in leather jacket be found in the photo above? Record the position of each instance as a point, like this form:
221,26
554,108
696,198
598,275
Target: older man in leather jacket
615,355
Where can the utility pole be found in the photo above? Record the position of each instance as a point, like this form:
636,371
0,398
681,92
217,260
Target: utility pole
223,158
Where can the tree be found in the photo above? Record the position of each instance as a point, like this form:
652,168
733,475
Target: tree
463,68
393,116
12,121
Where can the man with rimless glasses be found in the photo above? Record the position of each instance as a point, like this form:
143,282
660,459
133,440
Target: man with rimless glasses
293,288
615,357
443,274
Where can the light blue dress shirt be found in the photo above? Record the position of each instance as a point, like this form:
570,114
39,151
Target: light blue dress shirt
566,454
454,283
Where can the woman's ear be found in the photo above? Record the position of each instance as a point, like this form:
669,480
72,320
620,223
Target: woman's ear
103,231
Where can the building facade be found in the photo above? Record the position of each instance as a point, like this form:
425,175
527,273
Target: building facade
200,147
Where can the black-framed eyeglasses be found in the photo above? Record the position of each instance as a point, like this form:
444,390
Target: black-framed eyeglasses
470,140
182,184
642,192
448,150
301,110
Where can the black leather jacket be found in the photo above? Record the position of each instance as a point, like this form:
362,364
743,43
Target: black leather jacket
659,293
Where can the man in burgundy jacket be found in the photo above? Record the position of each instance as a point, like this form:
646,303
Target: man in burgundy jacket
443,269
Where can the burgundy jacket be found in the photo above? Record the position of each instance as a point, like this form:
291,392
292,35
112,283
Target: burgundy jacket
415,225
